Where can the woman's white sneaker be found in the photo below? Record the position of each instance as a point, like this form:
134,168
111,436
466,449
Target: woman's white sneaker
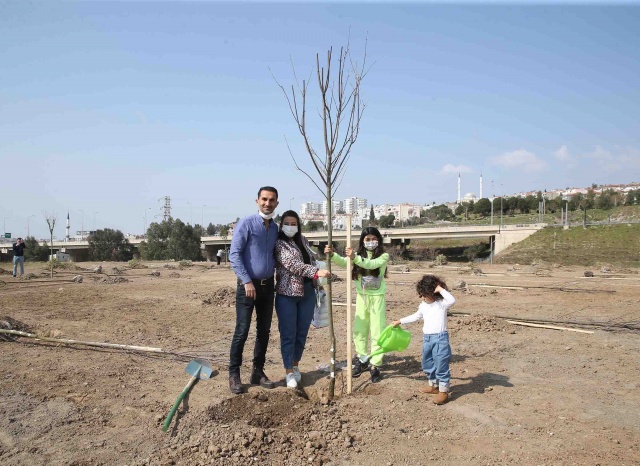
291,380
296,374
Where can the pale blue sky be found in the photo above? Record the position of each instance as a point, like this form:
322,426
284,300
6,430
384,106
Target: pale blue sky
105,107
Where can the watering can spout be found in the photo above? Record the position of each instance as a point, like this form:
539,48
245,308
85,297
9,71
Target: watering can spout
391,339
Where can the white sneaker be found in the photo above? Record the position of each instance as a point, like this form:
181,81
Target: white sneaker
291,380
296,374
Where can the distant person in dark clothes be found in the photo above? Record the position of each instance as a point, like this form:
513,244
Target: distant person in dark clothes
18,256
252,259
219,256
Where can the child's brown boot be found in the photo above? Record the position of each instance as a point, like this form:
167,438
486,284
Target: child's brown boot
441,398
429,390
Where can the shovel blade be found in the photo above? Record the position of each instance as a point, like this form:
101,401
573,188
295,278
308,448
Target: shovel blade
199,369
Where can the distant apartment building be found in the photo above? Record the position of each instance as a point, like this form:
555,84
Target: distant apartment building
309,208
353,204
335,207
339,222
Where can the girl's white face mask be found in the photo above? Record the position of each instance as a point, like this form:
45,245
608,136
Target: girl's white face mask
290,230
371,245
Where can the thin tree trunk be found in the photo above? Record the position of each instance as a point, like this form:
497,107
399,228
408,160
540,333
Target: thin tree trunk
332,334
51,258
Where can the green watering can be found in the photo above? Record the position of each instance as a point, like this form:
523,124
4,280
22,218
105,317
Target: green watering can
391,339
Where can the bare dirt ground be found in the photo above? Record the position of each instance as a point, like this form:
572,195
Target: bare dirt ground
521,395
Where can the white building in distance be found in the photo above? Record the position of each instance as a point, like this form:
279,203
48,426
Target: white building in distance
353,204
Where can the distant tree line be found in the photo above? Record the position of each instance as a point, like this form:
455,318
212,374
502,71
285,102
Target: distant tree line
608,199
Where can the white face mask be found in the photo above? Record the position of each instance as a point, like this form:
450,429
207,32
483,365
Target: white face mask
371,245
290,230
265,216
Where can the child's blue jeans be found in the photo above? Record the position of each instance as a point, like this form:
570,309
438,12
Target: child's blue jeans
436,355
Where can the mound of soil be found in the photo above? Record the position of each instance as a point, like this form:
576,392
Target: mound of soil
110,280
223,297
478,323
7,323
279,427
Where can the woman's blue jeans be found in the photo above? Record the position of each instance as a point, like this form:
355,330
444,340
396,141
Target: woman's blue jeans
436,355
295,314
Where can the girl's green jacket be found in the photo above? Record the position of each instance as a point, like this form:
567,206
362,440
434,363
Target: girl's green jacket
369,264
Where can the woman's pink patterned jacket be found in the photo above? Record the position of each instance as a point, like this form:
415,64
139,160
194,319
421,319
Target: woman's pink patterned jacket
291,269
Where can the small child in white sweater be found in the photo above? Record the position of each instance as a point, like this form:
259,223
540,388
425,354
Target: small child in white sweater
436,351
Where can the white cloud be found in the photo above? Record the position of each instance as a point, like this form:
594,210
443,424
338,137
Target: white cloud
519,159
563,154
455,169
600,153
620,159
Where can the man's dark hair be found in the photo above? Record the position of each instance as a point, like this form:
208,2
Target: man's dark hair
268,188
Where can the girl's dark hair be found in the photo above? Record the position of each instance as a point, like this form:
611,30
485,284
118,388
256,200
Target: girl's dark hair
426,287
297,238
362,252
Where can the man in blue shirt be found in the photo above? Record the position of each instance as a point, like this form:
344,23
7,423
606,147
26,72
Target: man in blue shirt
253,261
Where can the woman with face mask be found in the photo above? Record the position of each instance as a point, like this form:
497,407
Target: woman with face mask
297,275
369,272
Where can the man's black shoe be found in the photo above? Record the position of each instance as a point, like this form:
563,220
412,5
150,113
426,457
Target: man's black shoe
235,384
258,377
375,375
358,367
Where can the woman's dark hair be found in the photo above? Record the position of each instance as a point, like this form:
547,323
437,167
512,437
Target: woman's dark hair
362,252
297,238
426,287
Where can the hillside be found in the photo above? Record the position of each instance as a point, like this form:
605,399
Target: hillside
597,245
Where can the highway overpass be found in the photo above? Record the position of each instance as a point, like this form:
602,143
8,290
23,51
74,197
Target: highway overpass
500,237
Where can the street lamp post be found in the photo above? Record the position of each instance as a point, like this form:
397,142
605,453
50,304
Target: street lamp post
501,209
492,211
28,232
145,221
492,198
290,201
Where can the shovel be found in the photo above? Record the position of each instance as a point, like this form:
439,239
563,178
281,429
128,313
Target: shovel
198,369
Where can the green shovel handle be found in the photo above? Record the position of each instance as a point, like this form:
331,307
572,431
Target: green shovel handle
184,392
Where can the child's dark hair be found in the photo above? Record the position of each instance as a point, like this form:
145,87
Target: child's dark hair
427,285
362,252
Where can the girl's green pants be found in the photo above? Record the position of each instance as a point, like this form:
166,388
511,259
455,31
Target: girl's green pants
370,322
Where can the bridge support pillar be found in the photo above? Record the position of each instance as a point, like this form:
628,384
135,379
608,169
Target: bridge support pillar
402,243
209,252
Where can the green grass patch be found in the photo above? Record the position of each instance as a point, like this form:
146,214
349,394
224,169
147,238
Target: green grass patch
616,244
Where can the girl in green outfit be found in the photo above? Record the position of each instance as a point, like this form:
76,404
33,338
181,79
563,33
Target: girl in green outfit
369,271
